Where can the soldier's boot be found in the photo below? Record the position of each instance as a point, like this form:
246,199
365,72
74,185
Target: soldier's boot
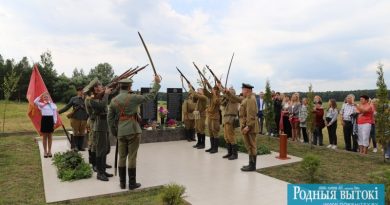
132,179
198,142
122,177
192,134
249,162
93,161
105,166
234,152
100,170
108,166
81,143
89,156
188,134
229,149
252,164
75,141
211,144
202,141
215,146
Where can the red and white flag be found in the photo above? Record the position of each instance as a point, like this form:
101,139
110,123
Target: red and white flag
35,88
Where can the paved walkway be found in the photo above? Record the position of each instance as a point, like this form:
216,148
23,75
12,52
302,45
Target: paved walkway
208,179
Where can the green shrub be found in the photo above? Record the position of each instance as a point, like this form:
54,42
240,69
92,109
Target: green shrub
310,166
71,166
263,149
172,194
382,177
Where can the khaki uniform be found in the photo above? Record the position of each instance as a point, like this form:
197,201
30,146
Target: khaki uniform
248,117
213,117
123,123
188,108
200,112
230,112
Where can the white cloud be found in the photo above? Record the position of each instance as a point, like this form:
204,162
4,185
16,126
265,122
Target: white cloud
328,43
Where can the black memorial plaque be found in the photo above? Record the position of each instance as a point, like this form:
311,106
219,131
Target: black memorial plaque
148,109
174,103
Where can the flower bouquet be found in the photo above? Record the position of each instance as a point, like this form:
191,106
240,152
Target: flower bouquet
163,112
171,123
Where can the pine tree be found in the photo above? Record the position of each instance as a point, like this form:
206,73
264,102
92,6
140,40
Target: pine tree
310,116
382,118
269,114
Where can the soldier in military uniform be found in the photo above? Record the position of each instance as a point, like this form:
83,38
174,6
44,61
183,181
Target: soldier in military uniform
90,124
123,123
230,110
188,108
100,127
213,117
249,124
78,118
200,116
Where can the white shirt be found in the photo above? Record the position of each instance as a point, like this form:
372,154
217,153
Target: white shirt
47,109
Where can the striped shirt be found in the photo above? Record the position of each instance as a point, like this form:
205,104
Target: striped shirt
347,110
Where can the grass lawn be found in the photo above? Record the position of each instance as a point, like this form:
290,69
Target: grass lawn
337,166
17,119
21,177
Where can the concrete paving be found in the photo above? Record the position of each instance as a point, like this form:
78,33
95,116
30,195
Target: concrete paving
208,178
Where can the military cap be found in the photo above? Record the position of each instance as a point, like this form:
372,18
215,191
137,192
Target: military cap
245,85
91,85
126,81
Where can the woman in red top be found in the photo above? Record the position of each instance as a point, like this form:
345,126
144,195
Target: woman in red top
364,123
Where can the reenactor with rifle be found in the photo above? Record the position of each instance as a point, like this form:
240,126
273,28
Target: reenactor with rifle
188,108
248,123
213,117
230,110
199,115
98,105
78,118
125,107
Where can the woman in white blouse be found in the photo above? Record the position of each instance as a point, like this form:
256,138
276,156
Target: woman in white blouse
49,119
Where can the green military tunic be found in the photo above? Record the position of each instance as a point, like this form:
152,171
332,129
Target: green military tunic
122,119
90,124
100,126
248,118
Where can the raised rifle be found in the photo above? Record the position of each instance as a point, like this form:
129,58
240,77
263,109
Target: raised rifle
202,76
215,77
188,82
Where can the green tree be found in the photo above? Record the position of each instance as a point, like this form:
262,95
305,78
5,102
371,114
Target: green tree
382,118
9,86
79,78
63,89
269,113
103,71
49,74
310,116
24,69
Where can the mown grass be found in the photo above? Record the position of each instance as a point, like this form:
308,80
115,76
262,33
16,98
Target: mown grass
16,119
22,183
337,166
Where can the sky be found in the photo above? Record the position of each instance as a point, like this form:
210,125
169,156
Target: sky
332,44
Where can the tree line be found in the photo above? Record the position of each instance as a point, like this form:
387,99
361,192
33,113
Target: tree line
62,88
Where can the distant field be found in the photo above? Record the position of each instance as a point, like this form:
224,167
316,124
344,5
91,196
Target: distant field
16,119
